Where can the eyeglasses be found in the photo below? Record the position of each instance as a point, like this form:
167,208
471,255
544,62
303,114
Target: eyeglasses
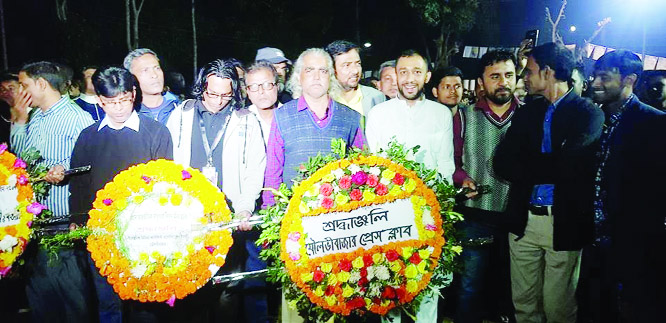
215,96
122,102
267,86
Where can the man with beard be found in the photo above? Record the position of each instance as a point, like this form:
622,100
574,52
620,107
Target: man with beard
625,230
547,157
412,120
484,243
348,71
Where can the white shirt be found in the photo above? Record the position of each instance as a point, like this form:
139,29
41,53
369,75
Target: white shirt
265,125
427,124
132,122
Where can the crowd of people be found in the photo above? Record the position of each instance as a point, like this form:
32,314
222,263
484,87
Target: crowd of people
561,219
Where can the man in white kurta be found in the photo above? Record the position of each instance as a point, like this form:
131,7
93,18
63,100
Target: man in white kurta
413,120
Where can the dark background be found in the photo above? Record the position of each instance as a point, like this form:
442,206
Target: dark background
94,32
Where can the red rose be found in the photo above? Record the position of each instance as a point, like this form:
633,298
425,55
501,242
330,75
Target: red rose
327,202
362,282
398,179
355,303
381,189
392,255
400,293
364,272
318,276
345,182
376,301
326,189
345,265
356,195
415,258
329,290
372,180
389,292
367,260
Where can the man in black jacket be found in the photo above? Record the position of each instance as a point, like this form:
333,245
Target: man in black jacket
547,157
629,221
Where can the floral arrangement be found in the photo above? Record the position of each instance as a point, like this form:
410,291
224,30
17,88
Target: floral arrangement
15,179
155,276
365,280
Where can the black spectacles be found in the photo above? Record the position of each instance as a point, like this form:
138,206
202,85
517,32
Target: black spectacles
267,86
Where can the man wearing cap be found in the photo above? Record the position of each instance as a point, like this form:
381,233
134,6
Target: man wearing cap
348,71
281,65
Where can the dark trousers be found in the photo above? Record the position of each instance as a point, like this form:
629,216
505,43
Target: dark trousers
483,286
109,305
57,288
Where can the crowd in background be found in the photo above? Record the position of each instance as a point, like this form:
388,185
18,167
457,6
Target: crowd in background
558,169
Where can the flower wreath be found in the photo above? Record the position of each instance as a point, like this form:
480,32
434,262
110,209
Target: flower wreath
153,276
15,225
375,279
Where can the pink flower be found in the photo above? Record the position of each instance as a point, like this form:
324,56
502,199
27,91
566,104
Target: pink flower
430,227
146,179
318,276
327,202
186,175
19,163
22,179
294,236
381,189
171,300
107,202
210,249
3,147
4,270
294,256
398,179
356,195
35,208
345,182
359,178
326,189
373,180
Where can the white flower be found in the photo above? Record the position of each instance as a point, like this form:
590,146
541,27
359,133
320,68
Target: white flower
374,290
338,173
139,270
292,246
354,277
382,273
385,181
375,171
11,181
313,204
8,243
427,219
354,168
371,272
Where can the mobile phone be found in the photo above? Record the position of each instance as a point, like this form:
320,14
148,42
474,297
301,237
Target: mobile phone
532,35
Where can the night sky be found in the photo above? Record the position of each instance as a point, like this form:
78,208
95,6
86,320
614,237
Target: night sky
94,33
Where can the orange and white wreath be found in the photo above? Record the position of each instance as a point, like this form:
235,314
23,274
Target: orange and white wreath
17,208
151,231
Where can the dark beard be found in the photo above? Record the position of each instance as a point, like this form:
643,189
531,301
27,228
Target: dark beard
418,94
499,100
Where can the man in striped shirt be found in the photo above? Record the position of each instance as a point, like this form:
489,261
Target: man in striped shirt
56,291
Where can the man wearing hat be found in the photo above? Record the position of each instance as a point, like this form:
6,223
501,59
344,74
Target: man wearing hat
281,64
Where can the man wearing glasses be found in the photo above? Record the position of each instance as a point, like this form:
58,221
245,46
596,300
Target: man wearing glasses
262,90
215,129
